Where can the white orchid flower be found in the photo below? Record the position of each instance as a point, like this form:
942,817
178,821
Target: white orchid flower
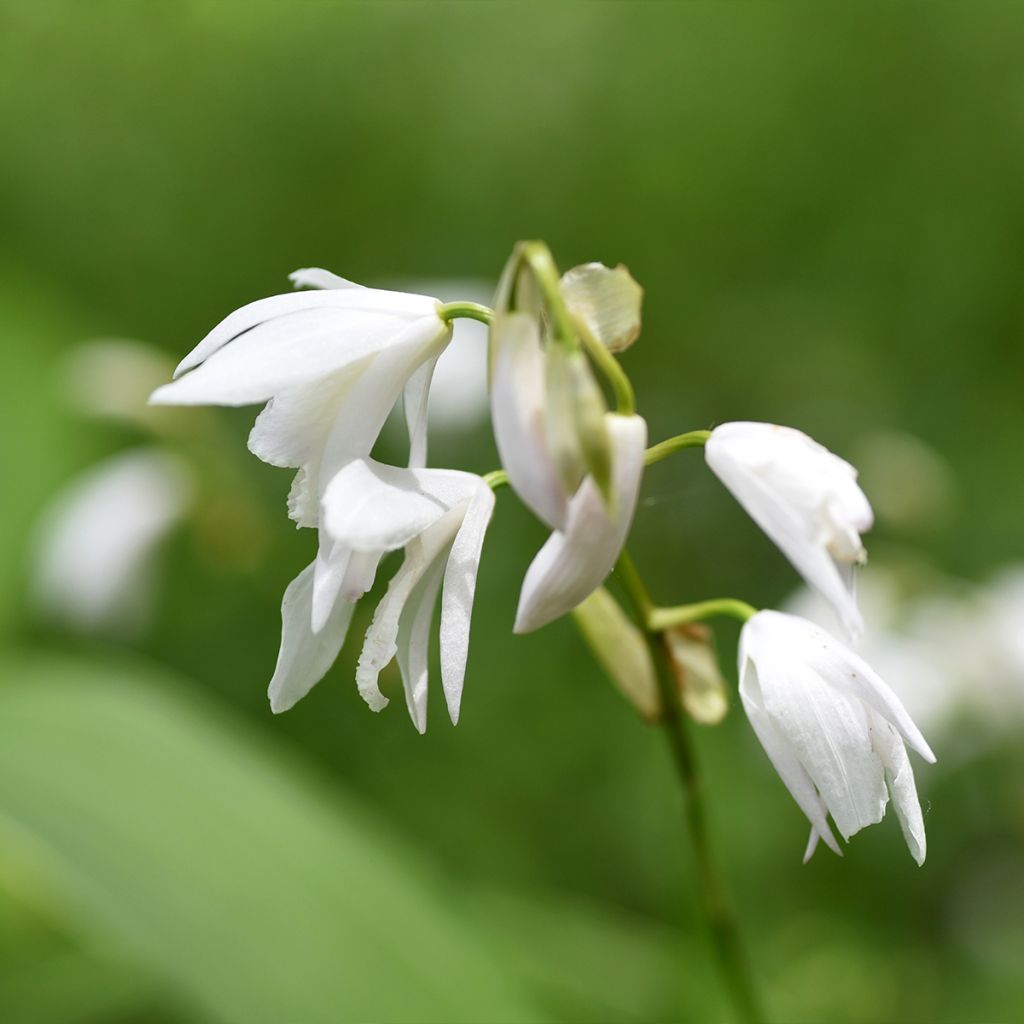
805,498
440,518
577,559
98,542
831,727
330,363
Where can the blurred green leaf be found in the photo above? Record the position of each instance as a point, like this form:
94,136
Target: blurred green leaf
220,867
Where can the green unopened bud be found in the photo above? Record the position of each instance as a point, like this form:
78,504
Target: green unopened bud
702,690
604,302
620,649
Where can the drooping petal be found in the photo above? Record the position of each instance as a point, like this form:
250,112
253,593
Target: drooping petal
847,671
353,305
791,534
370,506
294,425
305,657
380,645
413,641
459,590
573,563
783,757
899,777
416,401
329,569
518,396
806,500
832,737
358,421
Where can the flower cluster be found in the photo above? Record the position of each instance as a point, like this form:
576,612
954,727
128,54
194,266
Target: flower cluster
329,364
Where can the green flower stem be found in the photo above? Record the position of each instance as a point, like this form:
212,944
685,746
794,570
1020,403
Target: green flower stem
671,445
496,478
661,619
467,311
721,922
621,385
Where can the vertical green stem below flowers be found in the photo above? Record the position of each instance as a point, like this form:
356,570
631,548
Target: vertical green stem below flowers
715,905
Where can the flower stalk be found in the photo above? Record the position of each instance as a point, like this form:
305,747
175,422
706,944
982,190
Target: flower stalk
715,905
671,445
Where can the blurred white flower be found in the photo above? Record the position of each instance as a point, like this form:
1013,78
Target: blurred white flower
831,727
330,363
439,517
96,548
111,378
577,559
804,497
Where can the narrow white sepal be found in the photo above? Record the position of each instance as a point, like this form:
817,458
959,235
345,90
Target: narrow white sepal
304,657
459,590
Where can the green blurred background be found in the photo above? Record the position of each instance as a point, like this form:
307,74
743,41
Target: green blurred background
825,206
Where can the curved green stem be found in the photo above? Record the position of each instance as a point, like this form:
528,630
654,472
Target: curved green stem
537,256
665,618
495,479
621,385
671,445
721,922
467,311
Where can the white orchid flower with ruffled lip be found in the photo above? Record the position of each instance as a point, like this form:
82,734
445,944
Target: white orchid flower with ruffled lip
805,498
439,517
330,363
834,731
590,526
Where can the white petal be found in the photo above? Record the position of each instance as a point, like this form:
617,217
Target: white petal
830,734
329,569
518,396
292,351
459,589
356,302
316,277
847,671
370,506
359,419
294,425
380,645
304,658
782,756
413,641
899,777
739,459
416,401
98,540
575,562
